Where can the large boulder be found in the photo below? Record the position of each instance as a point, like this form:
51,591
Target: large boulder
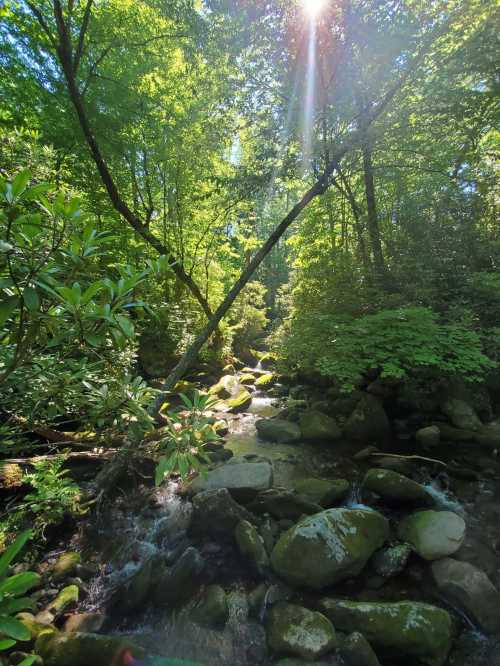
278,430
243,476
323,492
238,402
368,422
251,546
405,629
79,649
300,632
433,534
132,592
216,513
226,387
328,547
357,651
461,414
396,488
283,504
181,581
212,609
318,427
66,566
428,437
470,588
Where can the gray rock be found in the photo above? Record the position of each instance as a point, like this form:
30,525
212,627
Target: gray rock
357,651
470,588
297,631
391,561
318,427
251,546
323,492
433,534
278,430
243,477
132,593
396,488
283,504
406,629
368,422
461,414
329,547
80,649
181,581
216,513
212,609
428,437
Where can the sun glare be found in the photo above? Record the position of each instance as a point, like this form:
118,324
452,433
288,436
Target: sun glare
313,7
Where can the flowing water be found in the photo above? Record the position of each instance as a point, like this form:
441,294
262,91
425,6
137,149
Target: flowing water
141,526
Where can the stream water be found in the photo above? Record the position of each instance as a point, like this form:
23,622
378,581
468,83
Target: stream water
140,526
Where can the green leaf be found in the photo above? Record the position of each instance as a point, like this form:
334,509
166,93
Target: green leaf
7,308
19,583
13,606
35,192
14,629
6,644
31,299
15,547
28,661
19,183
126,325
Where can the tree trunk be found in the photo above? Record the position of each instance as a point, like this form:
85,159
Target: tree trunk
372,216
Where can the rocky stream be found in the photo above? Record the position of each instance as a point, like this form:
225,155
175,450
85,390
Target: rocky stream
314,538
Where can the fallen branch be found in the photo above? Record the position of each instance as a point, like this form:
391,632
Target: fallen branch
89,456
401,457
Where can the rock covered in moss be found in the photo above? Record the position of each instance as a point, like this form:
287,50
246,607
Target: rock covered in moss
322,491
428,437
80,649
227,386
283,504
216,513
404,629
84,623
329,547
132,592
433,534
181,581
251,546
212,609
392,560
469,587
300,632
368,422
66,566
239,402
461,414
266,380
66,599
357,651
396,488
278,430
318,427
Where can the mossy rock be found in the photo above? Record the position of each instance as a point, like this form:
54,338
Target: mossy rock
251,546
227,387
323,492
329,547
278,430
239,402
392,560
79,649
265,380
403,629
212,609
247,379
433,534
318,427
300,632
66,566
32,625
66,598
396,488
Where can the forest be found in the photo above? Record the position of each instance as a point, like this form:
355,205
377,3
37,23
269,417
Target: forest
249,333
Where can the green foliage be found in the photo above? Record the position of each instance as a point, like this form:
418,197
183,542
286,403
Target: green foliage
248,316
13,589
394,343
54,495
188,432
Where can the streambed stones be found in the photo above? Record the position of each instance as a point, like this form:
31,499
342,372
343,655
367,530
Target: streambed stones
329,546
297,631
395,488
433,534
403,629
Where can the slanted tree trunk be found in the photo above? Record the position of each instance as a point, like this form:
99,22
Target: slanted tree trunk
69,61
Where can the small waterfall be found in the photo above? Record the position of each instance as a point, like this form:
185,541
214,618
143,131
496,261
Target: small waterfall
443,498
